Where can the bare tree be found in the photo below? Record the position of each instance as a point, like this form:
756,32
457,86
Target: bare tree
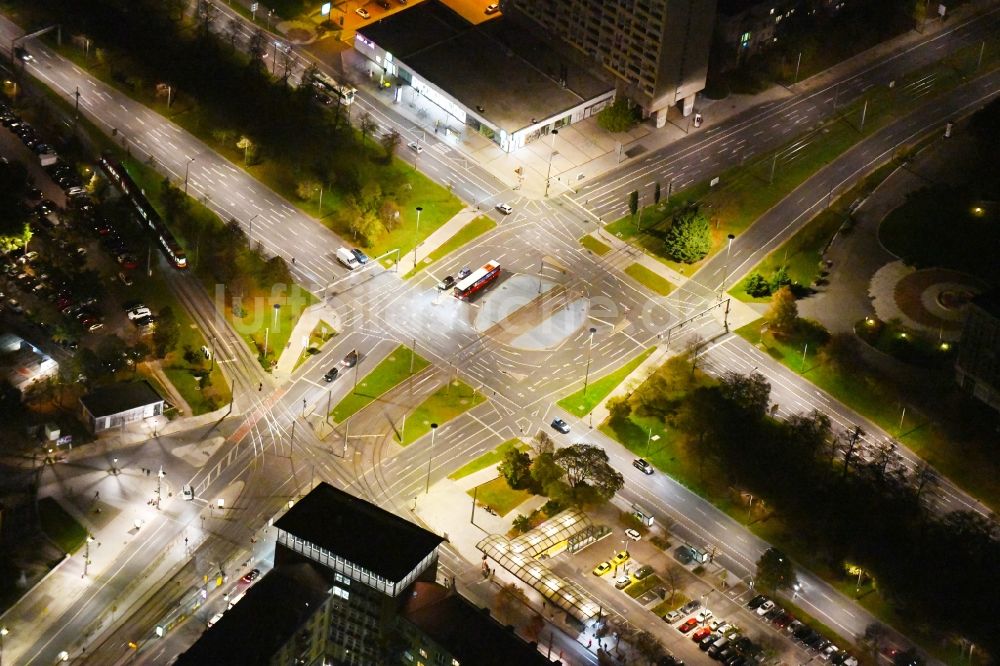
233,30
672,580
926,480
367,126
506,599
853,438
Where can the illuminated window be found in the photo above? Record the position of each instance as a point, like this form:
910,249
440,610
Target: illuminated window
745,39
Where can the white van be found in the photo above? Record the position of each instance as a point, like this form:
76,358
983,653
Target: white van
347,258
215,618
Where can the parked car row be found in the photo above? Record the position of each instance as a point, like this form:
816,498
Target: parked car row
769,611
351,258
24,131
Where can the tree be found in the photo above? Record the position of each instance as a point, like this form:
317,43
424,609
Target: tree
656,193
751,394
367,126
756,285
775,571
506,599
247,145
689,238
648,646
516,468
390,142
619,116
307,188
783,315
167,332
780,279
545,472
587,468
633,202
368,227
672,581
875,635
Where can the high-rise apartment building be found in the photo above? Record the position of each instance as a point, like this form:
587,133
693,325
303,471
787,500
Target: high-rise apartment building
657,50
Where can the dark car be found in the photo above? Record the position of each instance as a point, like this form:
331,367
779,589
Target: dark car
755,603
331,375
351,359
684,554
360,256
447,283
251,576
560,425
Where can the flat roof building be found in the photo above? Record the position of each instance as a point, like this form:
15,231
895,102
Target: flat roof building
120,404
354,584
23,364
655,50
494,77
977,368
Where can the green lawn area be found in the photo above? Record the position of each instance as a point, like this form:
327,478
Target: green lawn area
321,334
970,466
649,279
387,374
668,605
487,459
638,588
201,400
581,405
499,495
595,246
466,234
443,405
256,323
59,526
942,226
745,192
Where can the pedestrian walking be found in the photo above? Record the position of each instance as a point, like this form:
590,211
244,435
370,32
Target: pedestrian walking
260,387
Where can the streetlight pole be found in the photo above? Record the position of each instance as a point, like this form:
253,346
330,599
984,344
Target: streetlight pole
3,632
186,168
213,354
590,347
548,174
416,237
430,457
86,563
250,230
725,275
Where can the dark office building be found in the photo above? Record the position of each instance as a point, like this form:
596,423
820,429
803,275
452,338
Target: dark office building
977,369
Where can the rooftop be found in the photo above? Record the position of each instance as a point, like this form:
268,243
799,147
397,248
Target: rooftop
990,302
117,398
466,631
495,65
359,532
253,630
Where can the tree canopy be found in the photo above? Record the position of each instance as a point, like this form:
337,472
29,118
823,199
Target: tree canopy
689,238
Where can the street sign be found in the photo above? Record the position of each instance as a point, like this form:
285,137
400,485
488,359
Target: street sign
941,10
253,6
325,9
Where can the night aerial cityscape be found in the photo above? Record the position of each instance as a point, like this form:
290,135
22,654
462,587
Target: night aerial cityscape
459,333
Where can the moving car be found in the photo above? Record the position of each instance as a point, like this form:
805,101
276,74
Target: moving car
602,568
351,359
362,12
643,466
251,576
633,534
187,492
560,425
331,375
505,208
464,273
492,9
447,283
415,147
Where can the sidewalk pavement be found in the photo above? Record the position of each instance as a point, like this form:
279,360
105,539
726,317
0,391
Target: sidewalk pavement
438,237
310,317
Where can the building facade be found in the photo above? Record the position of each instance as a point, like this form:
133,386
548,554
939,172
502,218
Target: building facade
977,368
655,50
23,364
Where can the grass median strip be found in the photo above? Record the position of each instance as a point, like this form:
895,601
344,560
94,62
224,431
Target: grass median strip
581,404
487,459
386,375
321,334
448,402
497,495
641,587
649,279
595,246
466,234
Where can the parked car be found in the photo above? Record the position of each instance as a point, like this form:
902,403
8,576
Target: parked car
755,603
362,12
360,256
492,9
251,576
765,607
602,568
560,425
139,313
688,625
704,616
623,582
347,258
699,635
684,554
621,557
187,492
642,572
673,616
633,534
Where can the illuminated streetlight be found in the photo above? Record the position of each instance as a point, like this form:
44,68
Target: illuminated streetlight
416,236
430,457
186,167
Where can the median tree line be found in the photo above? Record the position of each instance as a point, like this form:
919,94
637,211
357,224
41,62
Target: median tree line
146,45
863,507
